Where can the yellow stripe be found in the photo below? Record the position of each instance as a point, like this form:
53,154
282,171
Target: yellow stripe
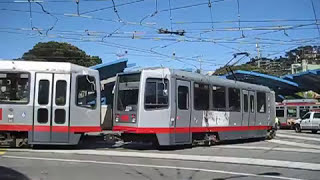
2,151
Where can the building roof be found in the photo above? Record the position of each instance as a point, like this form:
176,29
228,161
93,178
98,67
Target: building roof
110,69
309,80
281,86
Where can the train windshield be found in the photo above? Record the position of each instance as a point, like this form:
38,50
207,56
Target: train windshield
14,88
128,92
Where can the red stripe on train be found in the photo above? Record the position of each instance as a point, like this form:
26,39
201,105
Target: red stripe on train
150,130
79,129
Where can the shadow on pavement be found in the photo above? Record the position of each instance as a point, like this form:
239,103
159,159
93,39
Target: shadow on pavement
11,174
243,176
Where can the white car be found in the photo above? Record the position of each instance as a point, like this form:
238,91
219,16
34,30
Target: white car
310,121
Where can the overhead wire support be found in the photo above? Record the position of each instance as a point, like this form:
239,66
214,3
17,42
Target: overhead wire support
56,19
116,11
239,21
211,16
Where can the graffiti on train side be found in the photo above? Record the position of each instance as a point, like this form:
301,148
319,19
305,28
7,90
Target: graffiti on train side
214,118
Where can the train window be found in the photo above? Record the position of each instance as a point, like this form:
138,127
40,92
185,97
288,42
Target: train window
156,94
261,102
86,92
218,97
303,111
43,94
252,103
183,97
59,116
14,88
245,103
201,96
279,113
234,99
61,92
43,116
292,111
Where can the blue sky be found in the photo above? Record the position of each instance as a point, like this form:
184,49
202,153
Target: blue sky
212,42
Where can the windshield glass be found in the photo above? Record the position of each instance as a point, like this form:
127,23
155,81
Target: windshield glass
128,92
14,88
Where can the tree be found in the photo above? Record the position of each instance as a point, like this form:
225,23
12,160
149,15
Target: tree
60,52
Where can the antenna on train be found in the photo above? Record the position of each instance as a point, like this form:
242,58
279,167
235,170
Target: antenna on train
235,55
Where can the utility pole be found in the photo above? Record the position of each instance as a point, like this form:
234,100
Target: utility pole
200,64
259,54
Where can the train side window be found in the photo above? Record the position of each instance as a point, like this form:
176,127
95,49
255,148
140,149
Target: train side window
156,94
42,115
61,92
261,102
60,116
292,111
234,99
86,92
43,94
252,103
245,103
219,97
279,113
183,97
201,96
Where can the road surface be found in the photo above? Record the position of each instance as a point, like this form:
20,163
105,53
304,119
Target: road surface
289,156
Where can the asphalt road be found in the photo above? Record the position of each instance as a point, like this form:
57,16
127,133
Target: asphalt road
288,156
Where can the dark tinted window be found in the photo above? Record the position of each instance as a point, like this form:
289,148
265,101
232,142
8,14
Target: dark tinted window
201,96
218,97
86,92
60,116
156,94
43,94
303,111
61,92
245,103
183,97
261,102
42,116
251,103
280,113
234,99
306,116
316,115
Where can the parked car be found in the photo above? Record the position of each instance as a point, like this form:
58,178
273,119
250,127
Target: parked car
310,121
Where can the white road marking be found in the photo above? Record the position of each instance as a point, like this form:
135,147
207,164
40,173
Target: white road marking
150,166
270,148
290,143
220,159
302,134
298,137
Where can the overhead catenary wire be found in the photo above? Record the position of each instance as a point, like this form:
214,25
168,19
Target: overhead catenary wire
315,16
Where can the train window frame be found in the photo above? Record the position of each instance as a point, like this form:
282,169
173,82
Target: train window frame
196,107
157,81
238,104
278,109
64,93
252,104
40,93
263,103
77,93
246,103
28,89
186,97
292,108
224,95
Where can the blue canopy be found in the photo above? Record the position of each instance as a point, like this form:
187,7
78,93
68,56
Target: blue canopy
110,69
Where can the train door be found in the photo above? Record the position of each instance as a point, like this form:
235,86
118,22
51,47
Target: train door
245,112
51,108
252,108
183,111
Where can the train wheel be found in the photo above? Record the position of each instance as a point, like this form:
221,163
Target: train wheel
297,128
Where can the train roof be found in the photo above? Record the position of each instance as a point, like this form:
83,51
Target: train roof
60,67
205,78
